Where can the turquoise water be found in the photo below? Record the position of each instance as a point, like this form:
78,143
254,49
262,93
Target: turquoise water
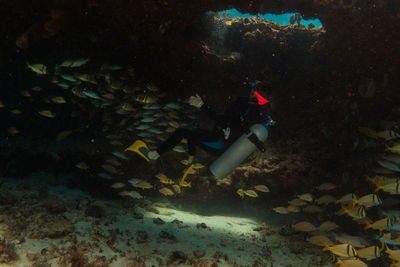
283,19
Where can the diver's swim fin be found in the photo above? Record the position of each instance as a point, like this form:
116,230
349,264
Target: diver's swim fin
141,148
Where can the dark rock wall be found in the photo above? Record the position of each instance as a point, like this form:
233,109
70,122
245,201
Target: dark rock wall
362,37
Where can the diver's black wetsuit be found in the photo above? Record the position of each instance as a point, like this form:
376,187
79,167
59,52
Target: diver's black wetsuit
239,117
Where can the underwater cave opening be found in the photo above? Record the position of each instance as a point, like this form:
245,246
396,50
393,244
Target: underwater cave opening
282,19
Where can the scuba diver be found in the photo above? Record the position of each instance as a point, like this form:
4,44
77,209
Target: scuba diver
228,127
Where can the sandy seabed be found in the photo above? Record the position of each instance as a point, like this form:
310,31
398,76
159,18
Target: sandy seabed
67,227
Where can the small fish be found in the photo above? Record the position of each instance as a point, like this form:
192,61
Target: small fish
327,226
320,240
177,188
382,180
63,85
393,189
107,67
326,199
357,212
110,169
113,162
389,165
297,202
350,262
164,179
342,250
78,92
47,113
198,166
152,87
58,100
1,104
312,209
12,130
355,241
250,193
281,210
118,185
154,131
74,63
143,185
170,130
394,254
116,143
172,106
262,188
293,209
166,191
132,194
393,158
304,227
148,119
326,187
386,134
91,94
86,78
68,77
25,93
128,107
173,124
16,112
370,200
152,107
108,96
306,197
179,149
144,134
393,149
146,99
104,176
36,88
82,165
240,192
37,68
120,155
347,199
369,253
382,224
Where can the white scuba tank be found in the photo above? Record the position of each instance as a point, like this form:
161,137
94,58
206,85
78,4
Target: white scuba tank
238,152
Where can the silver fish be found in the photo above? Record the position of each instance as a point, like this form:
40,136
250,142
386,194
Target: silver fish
389,165
148,119
74,63
119,155
68,77
143,127
91,94
106,66
104,175
154,131
172,106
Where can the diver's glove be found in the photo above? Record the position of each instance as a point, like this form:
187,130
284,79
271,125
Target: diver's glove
196,101
227,133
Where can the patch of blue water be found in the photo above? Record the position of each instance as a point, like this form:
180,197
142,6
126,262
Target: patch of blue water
283,19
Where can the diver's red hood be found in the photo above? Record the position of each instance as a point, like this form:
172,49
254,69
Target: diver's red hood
261,100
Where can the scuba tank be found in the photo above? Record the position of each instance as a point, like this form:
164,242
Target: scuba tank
239,151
